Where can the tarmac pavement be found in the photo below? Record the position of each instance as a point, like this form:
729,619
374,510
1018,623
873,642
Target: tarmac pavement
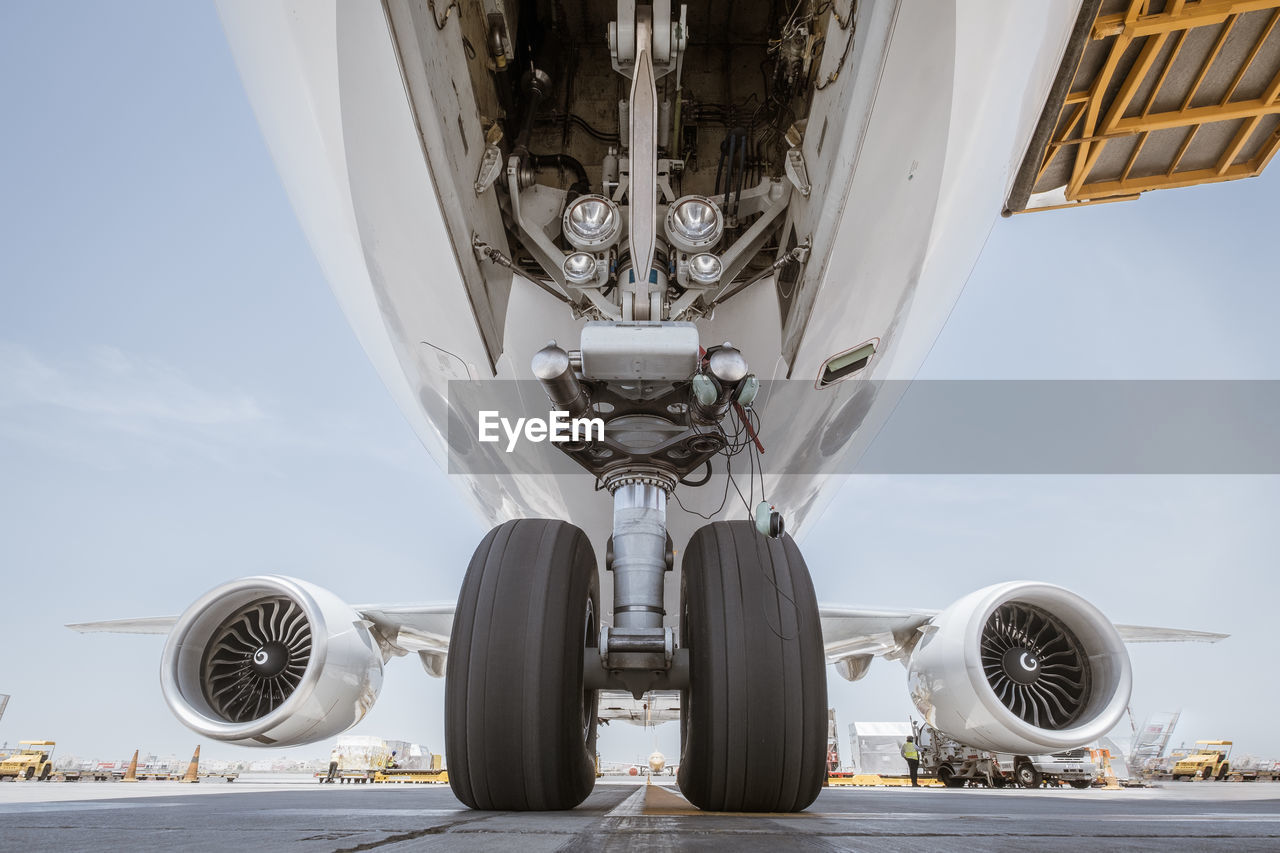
621,815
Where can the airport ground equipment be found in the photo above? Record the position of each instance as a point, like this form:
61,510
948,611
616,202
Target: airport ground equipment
1074,767
833,743
1151,742
33,760
1254,771
956,765
1211,759
367,758
874,747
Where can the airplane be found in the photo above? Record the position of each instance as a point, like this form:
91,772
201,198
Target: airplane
713,229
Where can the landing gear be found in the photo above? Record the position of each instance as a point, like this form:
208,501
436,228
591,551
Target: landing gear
520,727
753,722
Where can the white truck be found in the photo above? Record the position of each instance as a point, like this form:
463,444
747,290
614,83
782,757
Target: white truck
956,765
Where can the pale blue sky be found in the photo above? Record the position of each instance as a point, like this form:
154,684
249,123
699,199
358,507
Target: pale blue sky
182,402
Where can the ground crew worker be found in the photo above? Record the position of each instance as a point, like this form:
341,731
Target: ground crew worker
911,753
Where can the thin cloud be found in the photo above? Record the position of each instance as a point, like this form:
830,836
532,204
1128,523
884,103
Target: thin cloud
118,390
108,408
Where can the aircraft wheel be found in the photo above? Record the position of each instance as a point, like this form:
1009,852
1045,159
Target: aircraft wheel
754,717
520,729
1027,775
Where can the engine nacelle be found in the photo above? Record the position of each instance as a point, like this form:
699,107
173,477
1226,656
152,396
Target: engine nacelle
270,661
1021,667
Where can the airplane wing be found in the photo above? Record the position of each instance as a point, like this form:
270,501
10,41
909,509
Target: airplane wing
1145,634
141,625
854,636
659,706
420,626
425,629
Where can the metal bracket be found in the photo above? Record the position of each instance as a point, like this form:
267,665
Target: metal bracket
797,172
596,675
490,168
535,239
746,246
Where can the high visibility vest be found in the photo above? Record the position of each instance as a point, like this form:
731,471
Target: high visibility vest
909,751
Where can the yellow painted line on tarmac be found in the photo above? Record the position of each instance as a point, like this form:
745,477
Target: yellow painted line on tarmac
663,801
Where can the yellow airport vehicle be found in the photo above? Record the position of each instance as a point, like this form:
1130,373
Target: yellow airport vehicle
33,760
417,777
1209,760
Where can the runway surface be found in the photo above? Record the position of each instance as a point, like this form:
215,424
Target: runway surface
305,816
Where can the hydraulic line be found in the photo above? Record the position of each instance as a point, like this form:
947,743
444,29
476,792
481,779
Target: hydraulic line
581,184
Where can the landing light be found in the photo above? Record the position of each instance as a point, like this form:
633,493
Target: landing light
694,223
705,269
592,222
579,268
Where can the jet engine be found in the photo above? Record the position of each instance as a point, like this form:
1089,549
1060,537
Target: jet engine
270,661
1021,667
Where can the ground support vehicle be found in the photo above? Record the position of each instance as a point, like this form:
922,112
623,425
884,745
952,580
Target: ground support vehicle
1072,766
956,765
1209,760
33,760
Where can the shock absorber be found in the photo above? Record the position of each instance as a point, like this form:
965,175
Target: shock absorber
639,555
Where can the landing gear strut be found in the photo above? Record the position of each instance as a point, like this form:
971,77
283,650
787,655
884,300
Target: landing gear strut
527,656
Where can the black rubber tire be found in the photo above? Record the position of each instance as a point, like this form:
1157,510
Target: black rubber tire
520,731
28,773
946,774
1222,774
754,718
1207,773
46,772
1027,776
1081,783
999,782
